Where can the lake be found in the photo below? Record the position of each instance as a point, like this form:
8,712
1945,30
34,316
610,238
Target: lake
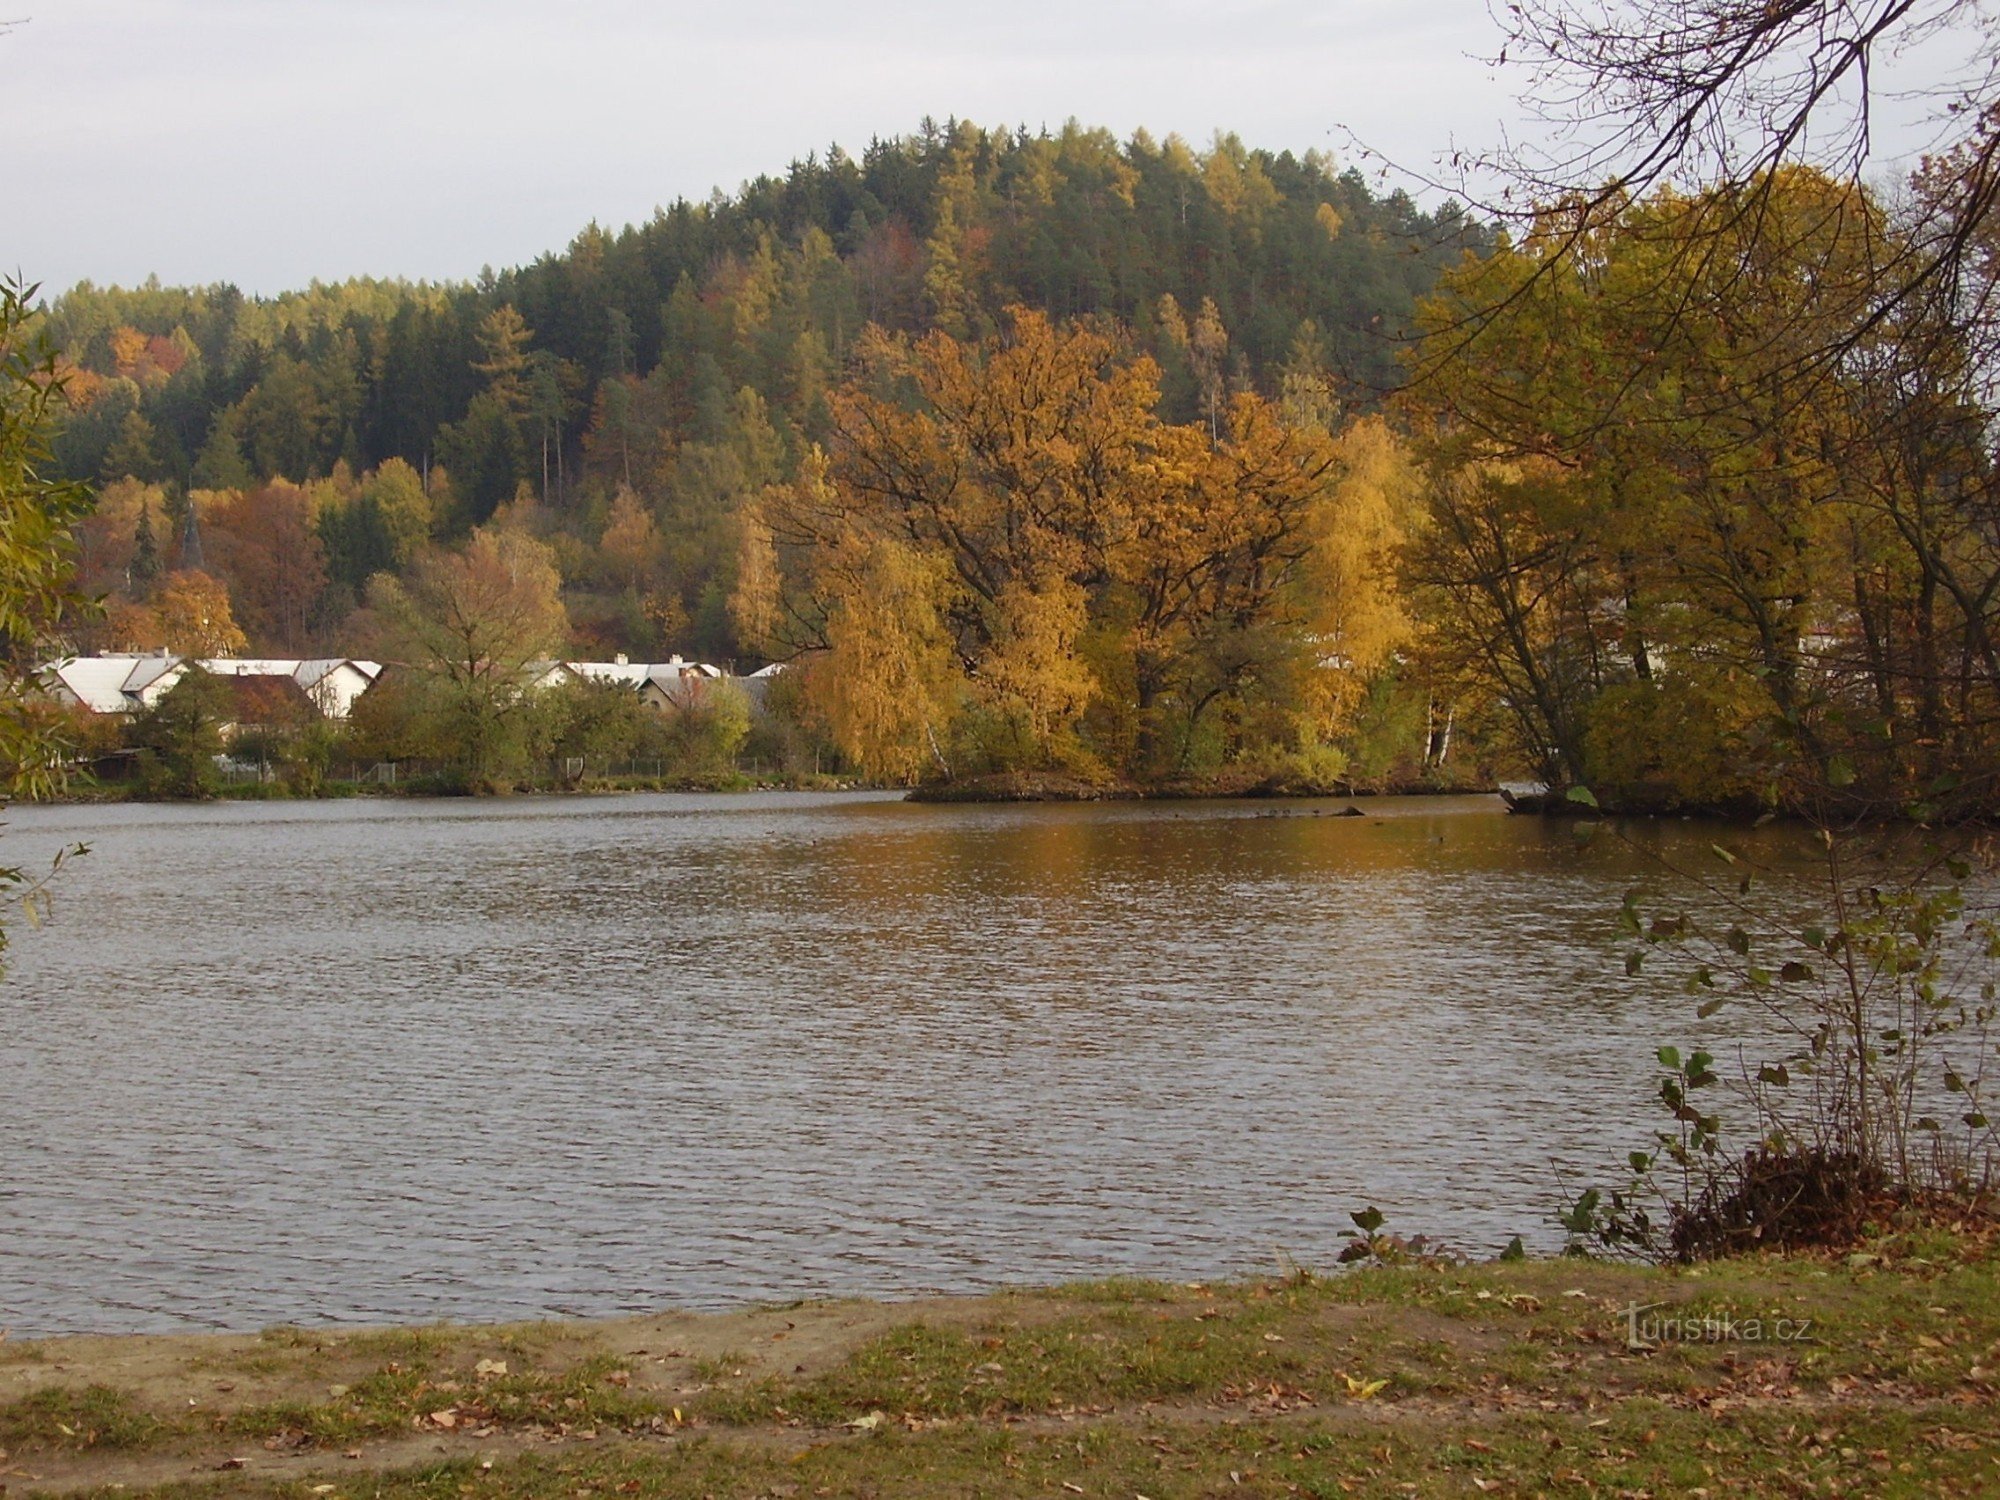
404,1060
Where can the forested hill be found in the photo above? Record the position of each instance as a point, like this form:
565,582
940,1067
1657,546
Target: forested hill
687,359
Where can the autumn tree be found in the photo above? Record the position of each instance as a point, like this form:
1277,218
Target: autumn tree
192,616
267,544
39,600
1206,566
1069,549
631,545
1355,618
504,337
106,539
887,686
1692,566
1634,98
469,624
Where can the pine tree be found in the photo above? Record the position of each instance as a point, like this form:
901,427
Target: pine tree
145,551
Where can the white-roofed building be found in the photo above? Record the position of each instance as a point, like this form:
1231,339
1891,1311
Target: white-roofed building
333,683
123,683
758,684
676,684
661,685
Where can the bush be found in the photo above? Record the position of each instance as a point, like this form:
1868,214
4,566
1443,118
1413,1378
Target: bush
1887,995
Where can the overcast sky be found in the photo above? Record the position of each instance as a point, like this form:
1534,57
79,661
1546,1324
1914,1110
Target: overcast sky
269,142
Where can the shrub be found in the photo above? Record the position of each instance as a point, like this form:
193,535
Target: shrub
1882,997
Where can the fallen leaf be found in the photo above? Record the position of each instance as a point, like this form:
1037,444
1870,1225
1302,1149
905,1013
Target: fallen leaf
445,1419
868,1423
490,1367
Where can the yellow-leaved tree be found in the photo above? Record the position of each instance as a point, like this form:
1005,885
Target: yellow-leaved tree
886,685
1103,587
38,592
192,617
469,628
1349,594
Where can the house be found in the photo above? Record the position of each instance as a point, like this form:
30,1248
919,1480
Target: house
123,683
119,683
661,685
331,683
676,684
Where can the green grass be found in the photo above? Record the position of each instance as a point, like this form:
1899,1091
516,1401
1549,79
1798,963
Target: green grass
1427,1379
59,1419
420,1392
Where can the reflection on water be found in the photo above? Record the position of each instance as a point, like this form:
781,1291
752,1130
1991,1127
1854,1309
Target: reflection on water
417,1060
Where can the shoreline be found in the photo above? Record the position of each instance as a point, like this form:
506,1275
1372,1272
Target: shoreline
982,792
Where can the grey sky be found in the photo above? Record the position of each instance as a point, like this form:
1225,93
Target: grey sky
269,142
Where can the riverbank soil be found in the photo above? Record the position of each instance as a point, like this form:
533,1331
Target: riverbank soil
1870,1374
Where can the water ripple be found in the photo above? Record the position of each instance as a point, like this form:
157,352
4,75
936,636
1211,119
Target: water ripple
405,1061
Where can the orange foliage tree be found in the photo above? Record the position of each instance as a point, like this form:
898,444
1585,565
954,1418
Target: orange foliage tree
1104,581
267,543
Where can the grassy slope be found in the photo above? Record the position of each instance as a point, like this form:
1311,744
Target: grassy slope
1496,1379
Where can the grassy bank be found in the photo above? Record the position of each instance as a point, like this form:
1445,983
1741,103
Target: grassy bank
1494,1379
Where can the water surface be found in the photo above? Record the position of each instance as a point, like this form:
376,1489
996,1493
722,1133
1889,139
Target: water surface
408,1060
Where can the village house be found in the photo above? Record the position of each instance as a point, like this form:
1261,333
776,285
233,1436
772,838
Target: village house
127,683
661,685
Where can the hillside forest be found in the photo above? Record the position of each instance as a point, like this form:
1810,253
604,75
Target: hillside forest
1050,452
